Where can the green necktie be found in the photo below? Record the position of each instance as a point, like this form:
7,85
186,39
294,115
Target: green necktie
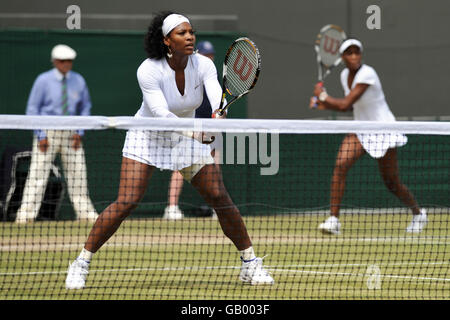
64,102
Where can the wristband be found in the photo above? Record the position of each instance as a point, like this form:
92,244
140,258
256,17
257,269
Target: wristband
323,96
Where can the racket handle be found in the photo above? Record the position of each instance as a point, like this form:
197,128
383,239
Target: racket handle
316,98
315,105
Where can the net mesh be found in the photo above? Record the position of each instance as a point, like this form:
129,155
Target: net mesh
279,176
242,66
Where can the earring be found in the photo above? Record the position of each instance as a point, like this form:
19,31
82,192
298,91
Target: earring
169,53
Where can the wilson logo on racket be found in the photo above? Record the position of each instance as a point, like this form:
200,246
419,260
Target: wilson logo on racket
242,64
240,69
331,45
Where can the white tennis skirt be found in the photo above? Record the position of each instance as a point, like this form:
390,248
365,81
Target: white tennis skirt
377,144
165,150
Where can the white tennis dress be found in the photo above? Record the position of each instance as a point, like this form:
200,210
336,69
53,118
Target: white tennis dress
161,98
372,106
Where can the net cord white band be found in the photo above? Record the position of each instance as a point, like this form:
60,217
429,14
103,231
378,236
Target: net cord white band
24,122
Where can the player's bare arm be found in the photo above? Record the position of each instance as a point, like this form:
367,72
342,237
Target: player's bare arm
340,104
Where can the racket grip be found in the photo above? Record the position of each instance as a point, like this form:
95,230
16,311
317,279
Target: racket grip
315,105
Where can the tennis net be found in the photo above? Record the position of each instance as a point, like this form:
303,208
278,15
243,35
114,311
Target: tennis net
284,177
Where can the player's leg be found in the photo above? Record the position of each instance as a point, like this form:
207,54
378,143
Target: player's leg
209,183
77,185
389,170
134,178
216,153
173,211
349,152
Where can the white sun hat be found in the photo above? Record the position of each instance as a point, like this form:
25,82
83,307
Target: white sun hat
63,52
348,43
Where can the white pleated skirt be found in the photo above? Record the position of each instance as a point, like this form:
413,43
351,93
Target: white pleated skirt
377,144
166,150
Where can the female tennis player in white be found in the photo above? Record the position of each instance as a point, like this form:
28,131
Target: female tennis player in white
364,95
171,80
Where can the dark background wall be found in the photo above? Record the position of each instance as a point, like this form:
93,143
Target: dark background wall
409,51
108,60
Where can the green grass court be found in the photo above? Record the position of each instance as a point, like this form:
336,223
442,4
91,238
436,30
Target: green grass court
191,259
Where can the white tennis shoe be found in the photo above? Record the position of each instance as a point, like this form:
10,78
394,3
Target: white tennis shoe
419,221
253,272
331,226
76,274
173,212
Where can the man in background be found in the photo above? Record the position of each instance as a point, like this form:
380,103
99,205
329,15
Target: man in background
58,92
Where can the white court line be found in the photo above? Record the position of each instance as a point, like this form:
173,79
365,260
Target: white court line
269,268
424,240
365,264
360,275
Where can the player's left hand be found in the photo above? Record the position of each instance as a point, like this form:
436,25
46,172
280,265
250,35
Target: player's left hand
318,88
207,138
203,137
76,141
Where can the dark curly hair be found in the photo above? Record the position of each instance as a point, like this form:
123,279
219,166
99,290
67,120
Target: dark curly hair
153,43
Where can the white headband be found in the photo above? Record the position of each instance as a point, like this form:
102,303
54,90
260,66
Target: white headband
172,21
350,42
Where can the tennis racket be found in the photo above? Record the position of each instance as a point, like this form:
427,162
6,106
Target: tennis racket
327,46
241,69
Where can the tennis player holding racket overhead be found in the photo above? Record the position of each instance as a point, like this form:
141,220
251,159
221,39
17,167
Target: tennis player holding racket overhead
364,95
171,80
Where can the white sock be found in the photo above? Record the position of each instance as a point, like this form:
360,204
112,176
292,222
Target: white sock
86,255
248,254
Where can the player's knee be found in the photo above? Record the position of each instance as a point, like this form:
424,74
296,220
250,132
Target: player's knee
124,207
217,196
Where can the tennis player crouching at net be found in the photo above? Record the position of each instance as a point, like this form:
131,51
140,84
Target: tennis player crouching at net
171,80
364,95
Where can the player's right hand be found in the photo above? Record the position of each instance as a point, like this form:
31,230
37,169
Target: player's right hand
216,115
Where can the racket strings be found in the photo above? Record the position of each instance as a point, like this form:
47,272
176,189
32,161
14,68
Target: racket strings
329,43
242,68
